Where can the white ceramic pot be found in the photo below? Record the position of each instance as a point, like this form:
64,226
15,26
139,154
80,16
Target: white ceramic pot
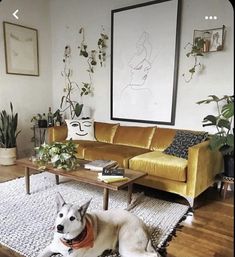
7,156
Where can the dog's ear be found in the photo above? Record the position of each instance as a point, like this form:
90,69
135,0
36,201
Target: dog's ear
84,208
59,201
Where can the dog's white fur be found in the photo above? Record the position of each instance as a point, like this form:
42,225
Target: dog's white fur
110,228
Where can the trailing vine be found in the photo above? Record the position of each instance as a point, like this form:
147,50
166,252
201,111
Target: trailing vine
195,52
67,101
91,58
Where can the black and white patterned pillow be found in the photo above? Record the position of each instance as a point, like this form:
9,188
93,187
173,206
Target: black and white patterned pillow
182,141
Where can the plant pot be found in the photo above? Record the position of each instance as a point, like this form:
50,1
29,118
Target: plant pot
7,156
229,165
42,123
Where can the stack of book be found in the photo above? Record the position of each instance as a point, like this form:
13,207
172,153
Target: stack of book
112,175
100,165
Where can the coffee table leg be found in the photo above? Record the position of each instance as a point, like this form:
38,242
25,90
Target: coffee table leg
27,180
130,188
106,199
57,181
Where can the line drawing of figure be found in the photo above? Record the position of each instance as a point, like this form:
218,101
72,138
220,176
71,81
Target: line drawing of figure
140,63
136,97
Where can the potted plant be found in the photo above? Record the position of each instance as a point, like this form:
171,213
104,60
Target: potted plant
223,139
59,155
8,135
40,120
57,118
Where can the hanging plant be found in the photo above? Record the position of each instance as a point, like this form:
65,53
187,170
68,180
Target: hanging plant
102,45
196,50
91,58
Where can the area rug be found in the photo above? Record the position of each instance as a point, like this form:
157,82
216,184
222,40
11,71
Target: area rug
26,221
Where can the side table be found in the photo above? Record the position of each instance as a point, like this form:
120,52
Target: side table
225,182
39,135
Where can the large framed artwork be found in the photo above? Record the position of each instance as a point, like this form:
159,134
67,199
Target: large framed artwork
144,62
21,49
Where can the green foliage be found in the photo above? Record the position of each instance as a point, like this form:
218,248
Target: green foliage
8,128
67,101
223,140
59,155
57,116
38,117
91,58
102,45
195,51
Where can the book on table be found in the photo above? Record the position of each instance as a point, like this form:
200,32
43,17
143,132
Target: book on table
112,175
99,165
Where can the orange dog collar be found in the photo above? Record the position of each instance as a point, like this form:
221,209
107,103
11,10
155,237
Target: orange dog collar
84,240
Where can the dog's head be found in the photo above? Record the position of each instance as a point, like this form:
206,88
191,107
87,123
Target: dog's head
70,218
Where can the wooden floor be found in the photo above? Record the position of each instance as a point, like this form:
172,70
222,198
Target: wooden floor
207,233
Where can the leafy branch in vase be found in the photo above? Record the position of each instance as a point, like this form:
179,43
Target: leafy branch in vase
73,106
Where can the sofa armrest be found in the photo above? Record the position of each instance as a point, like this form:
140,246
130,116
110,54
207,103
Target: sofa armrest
203,165
57,134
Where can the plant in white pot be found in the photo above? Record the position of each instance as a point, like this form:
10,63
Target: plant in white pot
223,139
8,135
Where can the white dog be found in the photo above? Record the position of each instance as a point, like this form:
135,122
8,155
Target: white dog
79,234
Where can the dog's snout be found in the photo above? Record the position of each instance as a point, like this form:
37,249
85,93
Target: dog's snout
60,228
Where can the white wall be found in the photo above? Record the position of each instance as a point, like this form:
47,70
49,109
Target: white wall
217,77
29,94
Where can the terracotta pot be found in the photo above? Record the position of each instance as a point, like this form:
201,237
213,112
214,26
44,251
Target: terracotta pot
7,156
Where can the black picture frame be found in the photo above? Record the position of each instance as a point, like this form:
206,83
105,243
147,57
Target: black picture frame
144,62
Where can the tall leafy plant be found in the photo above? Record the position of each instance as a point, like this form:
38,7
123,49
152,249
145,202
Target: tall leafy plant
8,128
223,139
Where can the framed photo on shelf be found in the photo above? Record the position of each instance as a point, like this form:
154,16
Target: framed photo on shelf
21,49
144,62
213,39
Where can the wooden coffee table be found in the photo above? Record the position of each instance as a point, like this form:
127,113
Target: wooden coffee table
86,176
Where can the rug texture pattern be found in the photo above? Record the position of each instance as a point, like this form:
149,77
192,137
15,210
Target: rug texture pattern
26,221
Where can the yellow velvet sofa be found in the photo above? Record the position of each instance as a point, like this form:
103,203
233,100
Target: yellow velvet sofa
141,148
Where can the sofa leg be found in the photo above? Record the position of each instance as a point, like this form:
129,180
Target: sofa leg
190,201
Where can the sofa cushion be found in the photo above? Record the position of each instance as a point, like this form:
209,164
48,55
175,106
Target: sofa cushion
182,141
83,144
57,133
119,153
104,132
80,129
162,138
161,165
134,136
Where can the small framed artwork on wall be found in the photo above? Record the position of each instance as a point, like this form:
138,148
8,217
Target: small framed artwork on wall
21,49
213,39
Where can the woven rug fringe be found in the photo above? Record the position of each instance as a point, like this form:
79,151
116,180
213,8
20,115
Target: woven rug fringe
163,248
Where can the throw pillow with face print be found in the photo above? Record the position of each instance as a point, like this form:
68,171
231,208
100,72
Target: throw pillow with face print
80,129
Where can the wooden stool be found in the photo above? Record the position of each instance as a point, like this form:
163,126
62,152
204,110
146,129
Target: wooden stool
225,181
